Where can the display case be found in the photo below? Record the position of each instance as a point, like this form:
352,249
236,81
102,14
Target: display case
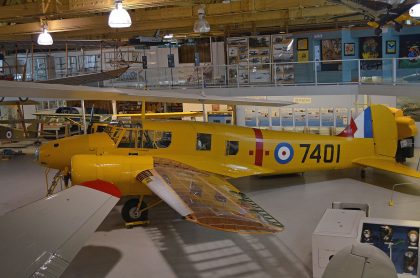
399,239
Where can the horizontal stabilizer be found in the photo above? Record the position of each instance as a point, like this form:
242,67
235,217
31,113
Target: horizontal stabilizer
387,164
42,238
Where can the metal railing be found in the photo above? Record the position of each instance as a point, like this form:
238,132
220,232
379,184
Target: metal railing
393,71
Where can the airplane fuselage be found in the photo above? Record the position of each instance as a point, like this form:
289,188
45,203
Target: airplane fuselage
222,149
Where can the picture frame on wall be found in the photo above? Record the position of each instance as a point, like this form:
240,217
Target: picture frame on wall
391,47
302,44
349,49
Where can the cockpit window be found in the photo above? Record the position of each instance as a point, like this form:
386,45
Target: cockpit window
203,142
128,140
153,139
232,147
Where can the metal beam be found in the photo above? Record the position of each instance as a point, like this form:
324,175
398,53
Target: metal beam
176,18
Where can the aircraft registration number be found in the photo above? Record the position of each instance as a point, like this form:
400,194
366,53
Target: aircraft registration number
327,153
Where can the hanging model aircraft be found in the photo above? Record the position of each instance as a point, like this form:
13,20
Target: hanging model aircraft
379,13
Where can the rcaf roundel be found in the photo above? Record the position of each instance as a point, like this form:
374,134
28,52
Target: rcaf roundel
284,153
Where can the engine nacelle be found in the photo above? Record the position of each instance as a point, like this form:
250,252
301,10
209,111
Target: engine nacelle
117,169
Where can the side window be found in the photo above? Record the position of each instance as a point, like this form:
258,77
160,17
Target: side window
147,139
128,140
203,142
232,147
163,139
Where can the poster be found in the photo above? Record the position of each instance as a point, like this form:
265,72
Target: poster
410,49
371,48
282,52
237,52
303,55
259,59
331,50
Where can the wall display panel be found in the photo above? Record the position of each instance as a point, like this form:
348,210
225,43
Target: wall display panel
237,52
410,48
250,117
263,117
259,59
282,52
331,50
286,115
397,239
371,48
303,55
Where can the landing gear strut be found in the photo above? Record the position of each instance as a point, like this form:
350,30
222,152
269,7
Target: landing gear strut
135,211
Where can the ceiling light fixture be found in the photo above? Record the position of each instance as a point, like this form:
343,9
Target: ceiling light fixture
415,11
45,38
201,25
119,17
168,36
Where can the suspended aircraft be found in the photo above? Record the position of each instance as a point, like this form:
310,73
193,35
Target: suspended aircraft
379,13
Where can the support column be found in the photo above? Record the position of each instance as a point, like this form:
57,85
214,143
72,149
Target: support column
85,128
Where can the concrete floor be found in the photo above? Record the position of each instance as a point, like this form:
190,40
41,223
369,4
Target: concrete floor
172,247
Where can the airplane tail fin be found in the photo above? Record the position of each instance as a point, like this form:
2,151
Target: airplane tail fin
393,136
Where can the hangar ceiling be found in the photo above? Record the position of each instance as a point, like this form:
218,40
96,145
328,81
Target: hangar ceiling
81,19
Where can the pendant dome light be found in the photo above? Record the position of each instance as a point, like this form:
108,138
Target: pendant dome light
415,11
201,25
119,17
45,38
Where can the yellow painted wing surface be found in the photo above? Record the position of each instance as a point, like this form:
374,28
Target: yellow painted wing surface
231,170
207,199
167,115
387,164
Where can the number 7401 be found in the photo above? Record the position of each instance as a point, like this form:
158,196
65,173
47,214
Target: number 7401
330,153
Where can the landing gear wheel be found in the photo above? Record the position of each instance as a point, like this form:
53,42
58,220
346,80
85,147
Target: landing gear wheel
130,213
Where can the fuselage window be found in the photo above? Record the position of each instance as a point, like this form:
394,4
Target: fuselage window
203,142
232,147
128,140
151,139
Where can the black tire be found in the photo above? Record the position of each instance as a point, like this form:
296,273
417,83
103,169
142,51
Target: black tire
128,209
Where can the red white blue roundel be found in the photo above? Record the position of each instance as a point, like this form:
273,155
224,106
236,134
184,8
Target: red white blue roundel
284,153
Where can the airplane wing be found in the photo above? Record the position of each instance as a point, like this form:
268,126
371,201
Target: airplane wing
57,91
41,239
231,170
387,164
165,115
207,199
87,78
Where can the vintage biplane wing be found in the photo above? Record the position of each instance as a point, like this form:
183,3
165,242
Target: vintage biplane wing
207,199
18,102
41,239
54,91
164,115
87,78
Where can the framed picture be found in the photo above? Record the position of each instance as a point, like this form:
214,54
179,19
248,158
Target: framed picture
349,49
302,44
303,56
391,47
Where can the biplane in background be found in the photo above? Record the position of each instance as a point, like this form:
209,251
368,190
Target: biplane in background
18,128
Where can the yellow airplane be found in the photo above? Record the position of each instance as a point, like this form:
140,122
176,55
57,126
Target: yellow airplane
186,163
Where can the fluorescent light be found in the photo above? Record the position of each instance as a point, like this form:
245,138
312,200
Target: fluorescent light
168,36
415,11
201,25
119,17
45,38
